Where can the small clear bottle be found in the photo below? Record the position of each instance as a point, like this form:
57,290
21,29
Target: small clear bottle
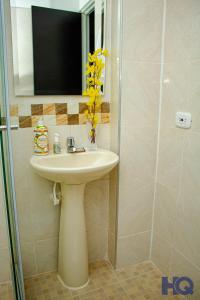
57,145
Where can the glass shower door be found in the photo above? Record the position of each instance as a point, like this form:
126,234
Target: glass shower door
7,169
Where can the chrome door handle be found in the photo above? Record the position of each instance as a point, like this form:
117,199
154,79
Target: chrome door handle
12,127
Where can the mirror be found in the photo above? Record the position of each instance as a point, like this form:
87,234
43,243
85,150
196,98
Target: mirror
51,40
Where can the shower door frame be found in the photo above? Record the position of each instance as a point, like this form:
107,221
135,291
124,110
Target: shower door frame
7,169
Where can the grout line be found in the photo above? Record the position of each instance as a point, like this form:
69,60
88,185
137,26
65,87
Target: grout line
49,238
7,282
132,265
134,234
156,267
192,263
38,274
159,122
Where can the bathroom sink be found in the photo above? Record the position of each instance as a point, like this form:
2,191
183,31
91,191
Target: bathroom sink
75,168
73,171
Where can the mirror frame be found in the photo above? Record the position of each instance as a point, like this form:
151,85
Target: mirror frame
98,6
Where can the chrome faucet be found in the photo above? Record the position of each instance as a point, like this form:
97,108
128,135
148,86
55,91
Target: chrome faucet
71,148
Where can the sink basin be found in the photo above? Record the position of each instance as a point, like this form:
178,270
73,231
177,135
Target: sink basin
75,168
73,171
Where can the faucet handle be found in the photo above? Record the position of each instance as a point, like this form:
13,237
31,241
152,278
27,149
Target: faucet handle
70,142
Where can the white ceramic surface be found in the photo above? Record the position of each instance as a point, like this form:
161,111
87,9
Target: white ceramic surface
76,168
73,171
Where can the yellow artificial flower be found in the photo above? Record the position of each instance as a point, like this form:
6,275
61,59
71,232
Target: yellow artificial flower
90,80
91,102
91,58
105,52
94,69
90,69
98,51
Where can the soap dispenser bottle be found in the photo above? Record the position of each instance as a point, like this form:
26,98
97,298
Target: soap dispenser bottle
56,144
41,141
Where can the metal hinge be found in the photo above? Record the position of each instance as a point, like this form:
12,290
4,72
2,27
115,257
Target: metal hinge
12,127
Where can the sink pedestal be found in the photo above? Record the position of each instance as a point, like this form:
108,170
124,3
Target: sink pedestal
73,252
73,171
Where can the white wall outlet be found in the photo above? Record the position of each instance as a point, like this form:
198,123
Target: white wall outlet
183,119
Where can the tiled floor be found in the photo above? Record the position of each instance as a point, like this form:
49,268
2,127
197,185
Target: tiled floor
140,282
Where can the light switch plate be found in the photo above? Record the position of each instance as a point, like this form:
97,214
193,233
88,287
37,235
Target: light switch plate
183,119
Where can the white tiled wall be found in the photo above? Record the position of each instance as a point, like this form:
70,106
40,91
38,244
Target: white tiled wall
176,242
141,48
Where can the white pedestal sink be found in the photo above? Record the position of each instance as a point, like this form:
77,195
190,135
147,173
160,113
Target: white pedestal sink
73,171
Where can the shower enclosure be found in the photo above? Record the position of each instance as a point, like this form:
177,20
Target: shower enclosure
7,192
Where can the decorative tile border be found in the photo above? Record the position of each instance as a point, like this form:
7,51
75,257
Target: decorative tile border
54,114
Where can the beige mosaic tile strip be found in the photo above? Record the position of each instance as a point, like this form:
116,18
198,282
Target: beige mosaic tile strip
54,114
